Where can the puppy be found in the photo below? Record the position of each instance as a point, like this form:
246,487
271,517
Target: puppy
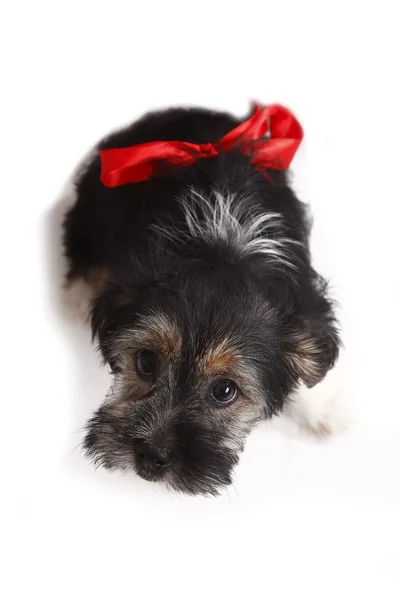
203,300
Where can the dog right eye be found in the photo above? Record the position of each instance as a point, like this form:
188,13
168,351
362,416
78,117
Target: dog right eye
224,392
146,363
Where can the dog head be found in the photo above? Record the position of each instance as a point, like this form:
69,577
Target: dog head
202,348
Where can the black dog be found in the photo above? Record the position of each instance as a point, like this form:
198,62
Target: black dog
205,304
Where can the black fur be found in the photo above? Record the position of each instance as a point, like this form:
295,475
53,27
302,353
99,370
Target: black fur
281,319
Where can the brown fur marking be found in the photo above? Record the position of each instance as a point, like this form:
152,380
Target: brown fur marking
304,360
159,334
98,278
221,359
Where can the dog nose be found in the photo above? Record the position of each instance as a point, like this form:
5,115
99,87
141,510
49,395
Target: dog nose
154,457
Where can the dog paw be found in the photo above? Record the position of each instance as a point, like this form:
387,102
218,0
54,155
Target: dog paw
321,410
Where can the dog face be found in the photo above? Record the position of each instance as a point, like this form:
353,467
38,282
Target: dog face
202,348
196,364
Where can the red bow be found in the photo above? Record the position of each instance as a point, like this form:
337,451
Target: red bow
275,151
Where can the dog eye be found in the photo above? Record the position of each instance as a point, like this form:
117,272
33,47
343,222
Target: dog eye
146,363
224,392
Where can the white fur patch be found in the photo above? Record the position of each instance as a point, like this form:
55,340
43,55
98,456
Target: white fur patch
229,218
324,409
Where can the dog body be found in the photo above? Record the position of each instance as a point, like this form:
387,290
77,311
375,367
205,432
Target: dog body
204,303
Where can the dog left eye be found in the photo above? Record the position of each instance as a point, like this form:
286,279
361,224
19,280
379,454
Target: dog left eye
224,392
146,363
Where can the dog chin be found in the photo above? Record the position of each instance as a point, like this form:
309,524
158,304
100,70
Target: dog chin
149,475
197,487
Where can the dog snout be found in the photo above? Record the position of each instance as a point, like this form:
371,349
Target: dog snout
151,457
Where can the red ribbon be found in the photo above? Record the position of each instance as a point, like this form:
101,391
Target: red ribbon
120,166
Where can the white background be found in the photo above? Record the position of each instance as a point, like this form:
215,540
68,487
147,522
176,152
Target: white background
304,518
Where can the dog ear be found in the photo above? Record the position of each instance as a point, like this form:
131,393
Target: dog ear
312,352
110,312
312,341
